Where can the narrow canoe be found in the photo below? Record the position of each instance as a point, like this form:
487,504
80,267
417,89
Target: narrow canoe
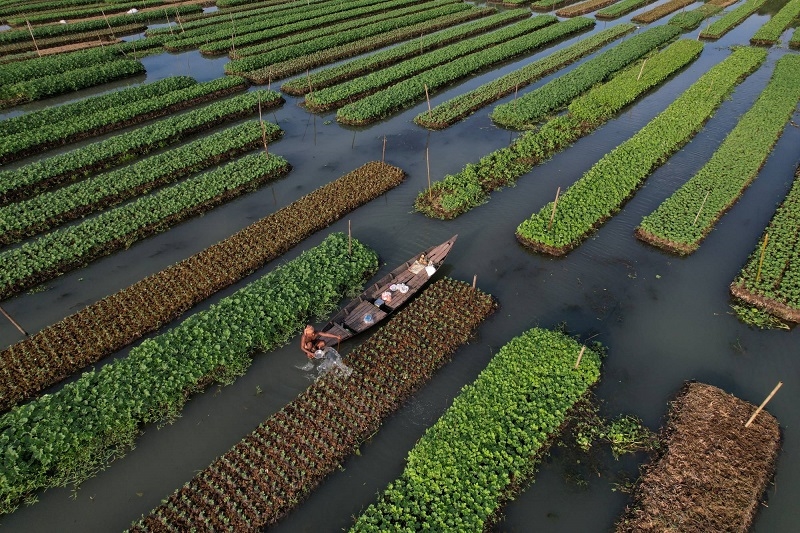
388,294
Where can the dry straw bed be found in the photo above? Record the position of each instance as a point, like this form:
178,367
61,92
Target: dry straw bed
713,470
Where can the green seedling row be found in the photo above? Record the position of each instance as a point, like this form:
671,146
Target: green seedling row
68,436
621,8
484,447
70,247
731,19
771,32
661,11
412,90
337,95
684,219
604,188
537,104
35,177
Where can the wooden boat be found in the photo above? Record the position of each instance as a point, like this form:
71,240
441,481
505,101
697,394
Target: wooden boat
401,284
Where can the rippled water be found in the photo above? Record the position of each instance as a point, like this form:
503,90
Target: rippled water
664,319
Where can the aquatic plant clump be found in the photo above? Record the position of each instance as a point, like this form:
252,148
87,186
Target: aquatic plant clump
269,472
713,471
68,436
731,19
487,444
83,338
770,32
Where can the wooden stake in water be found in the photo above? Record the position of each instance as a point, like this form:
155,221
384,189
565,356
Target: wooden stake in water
172,33
580,356
761,260
178,18
760,407
641,70
428,164
308,78
428,98
701,208
108,24
30,30
233,32
13,322
553,214
349,239
383,153
474,280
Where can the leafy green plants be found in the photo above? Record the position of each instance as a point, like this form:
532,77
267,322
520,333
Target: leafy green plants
458,193
328,98
535,105
611,181
684,219
105,119
103,327
409,91
358,67
67,436
266,474
731,19
770,280
583,8
48,210
70,247
35,177
487,444
769,33
449,112
618,9
661,11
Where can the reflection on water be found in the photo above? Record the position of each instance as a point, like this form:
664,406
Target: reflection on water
663,319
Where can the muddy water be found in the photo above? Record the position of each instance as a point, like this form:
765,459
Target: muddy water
664,319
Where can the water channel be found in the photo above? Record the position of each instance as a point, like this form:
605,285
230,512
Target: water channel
664,319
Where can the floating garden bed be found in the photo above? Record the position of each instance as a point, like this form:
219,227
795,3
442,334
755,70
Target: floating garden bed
66,437
487,445
770,32
35,177
731,19
770,280
604,188
412,90
98,330
661,11
458,193
684,219
109,119
71,247
713,471
270,471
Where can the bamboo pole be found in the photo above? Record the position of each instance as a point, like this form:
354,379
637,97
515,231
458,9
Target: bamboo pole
308,78
349,239
474,280
641,70
173,33
580,356
30,30
553,214
178,18
383,153
428,98
428,164
760,407
701,208
233,32
13,322
108,24
761,259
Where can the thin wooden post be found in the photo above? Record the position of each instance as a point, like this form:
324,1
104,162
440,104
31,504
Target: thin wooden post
233,44
474,280
580,356
516,91
761,260
178,18
428,98
383,153
553,214
173,33
308,78
701,208
263,127
428,164
13,322
30,30
349,239
641,70
269,80
760,407
108,24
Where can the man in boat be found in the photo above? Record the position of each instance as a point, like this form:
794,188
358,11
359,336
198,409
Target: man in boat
311,340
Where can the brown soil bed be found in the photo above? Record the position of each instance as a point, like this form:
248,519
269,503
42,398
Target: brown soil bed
773,307
713,471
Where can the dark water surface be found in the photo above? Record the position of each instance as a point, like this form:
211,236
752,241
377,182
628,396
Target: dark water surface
664,319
